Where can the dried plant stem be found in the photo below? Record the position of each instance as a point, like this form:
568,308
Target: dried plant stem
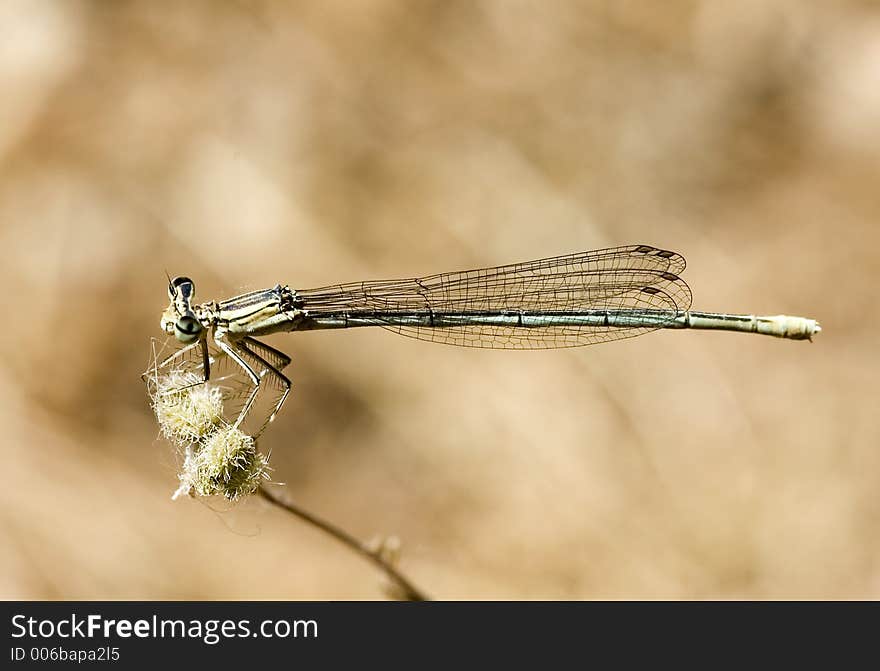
409,591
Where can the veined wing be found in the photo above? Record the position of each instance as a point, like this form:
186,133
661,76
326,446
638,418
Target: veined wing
636,277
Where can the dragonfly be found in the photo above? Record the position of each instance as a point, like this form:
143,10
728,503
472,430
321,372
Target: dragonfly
565,301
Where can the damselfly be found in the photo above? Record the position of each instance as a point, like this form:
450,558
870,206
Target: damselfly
566,301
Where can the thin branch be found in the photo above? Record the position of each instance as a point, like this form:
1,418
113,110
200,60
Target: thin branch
410,592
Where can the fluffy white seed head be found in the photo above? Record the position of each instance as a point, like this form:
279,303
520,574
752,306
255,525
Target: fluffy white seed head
227,463
218,459
187,409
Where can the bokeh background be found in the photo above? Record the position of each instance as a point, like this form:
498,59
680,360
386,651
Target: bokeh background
251,143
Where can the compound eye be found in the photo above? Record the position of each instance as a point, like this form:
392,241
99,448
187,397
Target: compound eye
187,329
189,287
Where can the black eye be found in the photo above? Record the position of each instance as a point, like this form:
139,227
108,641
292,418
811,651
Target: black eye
182,284
187,329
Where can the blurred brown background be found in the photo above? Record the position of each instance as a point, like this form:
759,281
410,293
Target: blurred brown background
250,143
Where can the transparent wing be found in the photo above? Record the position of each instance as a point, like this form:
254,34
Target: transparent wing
636,277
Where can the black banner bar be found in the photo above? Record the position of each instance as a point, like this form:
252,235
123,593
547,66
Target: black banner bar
389,634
